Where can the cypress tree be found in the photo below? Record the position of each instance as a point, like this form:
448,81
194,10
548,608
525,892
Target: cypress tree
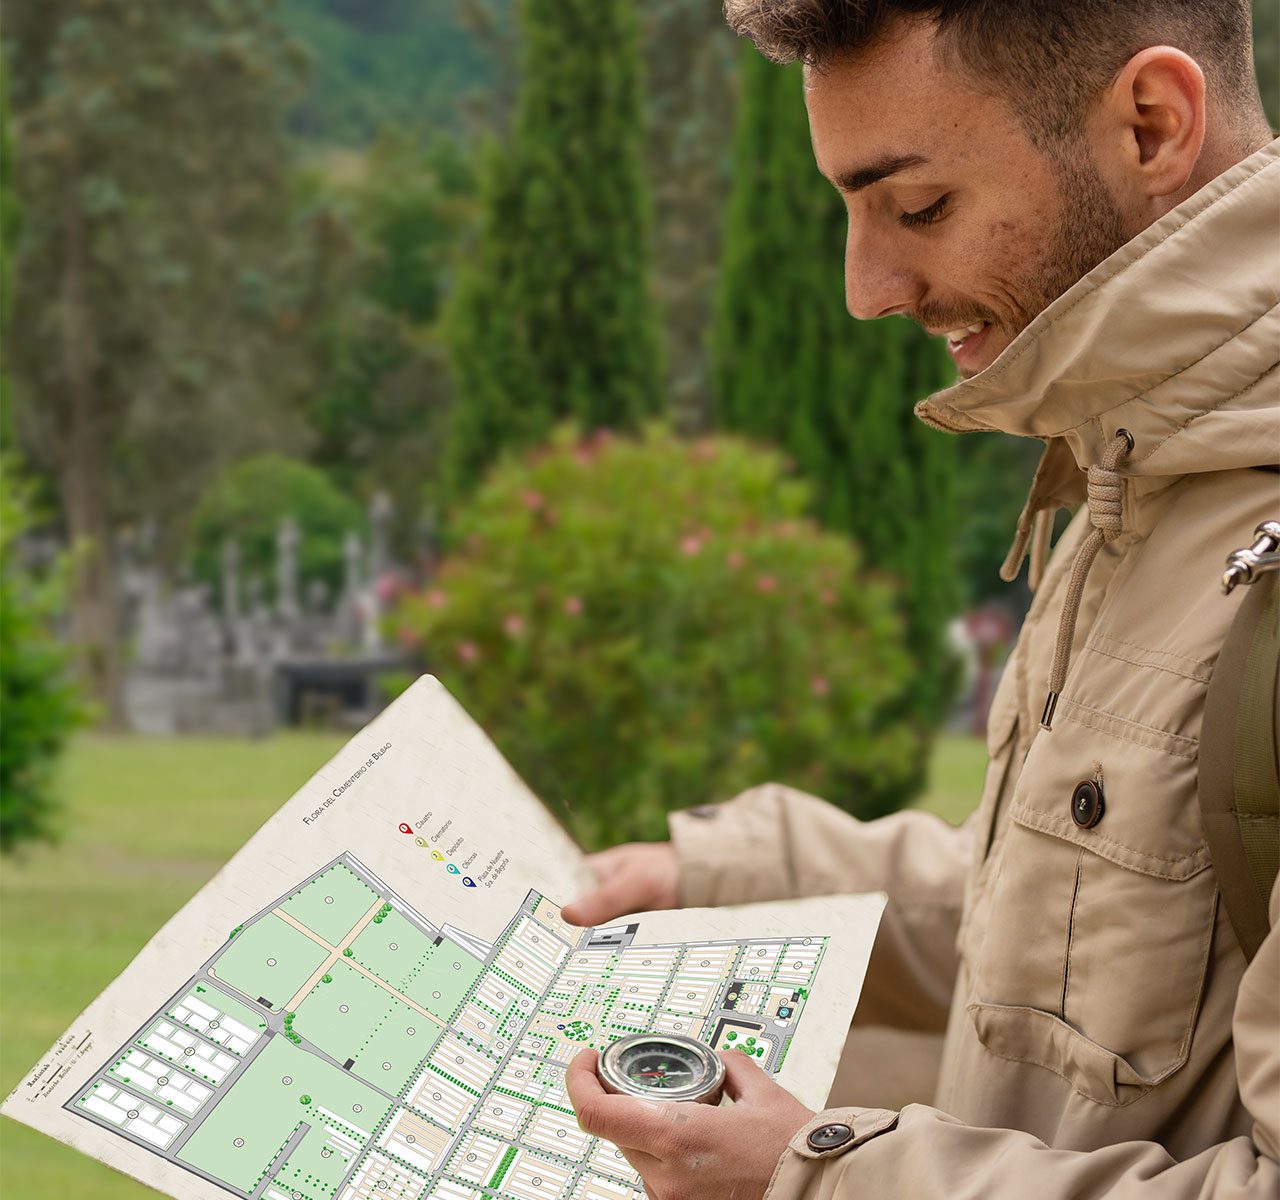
792,367
553,317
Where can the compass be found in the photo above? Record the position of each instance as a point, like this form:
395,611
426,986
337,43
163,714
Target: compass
662,1066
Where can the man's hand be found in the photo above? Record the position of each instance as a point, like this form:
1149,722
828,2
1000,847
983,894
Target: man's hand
636,877
688,1151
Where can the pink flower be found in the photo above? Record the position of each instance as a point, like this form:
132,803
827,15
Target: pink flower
386,587
573,606
435,598
819,686
468,652
766,584
691,545
533,500
735,559
513,623
407,637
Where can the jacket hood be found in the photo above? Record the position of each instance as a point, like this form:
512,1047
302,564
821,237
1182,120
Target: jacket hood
1174,337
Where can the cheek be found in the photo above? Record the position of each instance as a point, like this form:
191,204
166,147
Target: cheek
1003,250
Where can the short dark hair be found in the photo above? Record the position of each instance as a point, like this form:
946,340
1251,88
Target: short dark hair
1049,58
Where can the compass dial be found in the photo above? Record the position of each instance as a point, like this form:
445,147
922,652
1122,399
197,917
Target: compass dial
662,1067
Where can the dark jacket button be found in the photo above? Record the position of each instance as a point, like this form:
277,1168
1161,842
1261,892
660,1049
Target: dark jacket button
828,1137
1087,804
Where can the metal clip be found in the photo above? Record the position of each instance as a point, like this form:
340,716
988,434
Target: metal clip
1245,565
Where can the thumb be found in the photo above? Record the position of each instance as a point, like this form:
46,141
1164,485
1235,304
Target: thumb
744,1081
609,900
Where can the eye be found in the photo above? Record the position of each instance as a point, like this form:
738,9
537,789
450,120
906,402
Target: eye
926,216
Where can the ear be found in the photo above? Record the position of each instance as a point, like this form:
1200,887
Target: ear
1157,107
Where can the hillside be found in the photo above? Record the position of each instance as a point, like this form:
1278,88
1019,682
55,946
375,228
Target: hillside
408,63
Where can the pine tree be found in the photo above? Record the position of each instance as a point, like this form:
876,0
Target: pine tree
553,317
790,366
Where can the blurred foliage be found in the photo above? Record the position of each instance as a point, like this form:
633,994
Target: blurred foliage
792,368
1266,56
248,503
384,63
645,623
10,209
10,225
378,411
40,705
691,59
553,316
161,284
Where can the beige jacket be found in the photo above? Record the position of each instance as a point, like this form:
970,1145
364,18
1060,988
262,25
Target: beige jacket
1103,1035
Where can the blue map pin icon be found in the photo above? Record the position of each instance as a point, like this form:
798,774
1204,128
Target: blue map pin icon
467,881
451,868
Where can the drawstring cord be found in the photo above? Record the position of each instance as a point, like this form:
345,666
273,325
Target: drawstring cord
1106,509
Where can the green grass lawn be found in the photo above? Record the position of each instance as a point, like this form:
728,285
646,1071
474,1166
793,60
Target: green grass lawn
146,823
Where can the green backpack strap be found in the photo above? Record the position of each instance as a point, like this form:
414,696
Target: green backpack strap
1240,762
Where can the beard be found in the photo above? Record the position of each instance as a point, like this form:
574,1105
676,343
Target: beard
1091,228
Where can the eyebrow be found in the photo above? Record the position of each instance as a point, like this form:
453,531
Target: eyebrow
856,178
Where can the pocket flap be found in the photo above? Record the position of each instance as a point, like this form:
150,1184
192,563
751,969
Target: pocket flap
1034,1036
1150,821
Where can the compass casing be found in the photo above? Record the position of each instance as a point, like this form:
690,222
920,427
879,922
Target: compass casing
704,1088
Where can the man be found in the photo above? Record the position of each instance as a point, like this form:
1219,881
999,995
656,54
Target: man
1082,197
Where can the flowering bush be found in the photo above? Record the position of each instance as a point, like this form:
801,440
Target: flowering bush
644,624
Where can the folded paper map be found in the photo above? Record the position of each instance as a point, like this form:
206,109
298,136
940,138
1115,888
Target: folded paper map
376,998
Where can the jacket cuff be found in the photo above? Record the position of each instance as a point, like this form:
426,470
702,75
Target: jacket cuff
830,1134
730,853
838,1130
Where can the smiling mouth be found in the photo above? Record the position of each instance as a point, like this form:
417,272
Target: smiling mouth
956,338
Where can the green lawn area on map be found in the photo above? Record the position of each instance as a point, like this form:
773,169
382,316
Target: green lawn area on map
352,1017
269,960
331,903
316,1167
132,850
436,977
239,1138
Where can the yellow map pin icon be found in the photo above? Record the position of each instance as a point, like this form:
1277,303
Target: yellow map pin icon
420,842
437,856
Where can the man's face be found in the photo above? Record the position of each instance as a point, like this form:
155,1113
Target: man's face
1012,229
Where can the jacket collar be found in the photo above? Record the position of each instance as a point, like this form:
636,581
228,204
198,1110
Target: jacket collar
1175,337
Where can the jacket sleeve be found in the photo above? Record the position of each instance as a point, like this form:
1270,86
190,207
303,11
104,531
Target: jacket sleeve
923,1154
774,842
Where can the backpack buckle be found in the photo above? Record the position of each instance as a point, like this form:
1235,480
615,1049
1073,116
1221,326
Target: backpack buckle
1246,564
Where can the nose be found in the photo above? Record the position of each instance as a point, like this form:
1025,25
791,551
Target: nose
877,279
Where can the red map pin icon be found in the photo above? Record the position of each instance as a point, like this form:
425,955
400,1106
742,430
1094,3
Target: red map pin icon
405,828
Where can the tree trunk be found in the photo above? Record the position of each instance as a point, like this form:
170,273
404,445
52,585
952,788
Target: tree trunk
95,612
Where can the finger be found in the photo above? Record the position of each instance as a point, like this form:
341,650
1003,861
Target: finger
581,1078
612,898
629,1123
744,1081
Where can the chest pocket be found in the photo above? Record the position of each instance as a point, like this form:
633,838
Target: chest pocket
1099,918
